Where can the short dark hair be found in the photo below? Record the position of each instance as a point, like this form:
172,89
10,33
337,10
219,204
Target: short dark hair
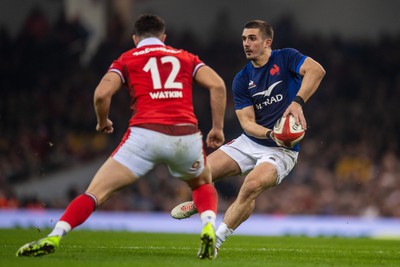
149,25
264,27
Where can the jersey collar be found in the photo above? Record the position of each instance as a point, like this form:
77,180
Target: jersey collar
150,41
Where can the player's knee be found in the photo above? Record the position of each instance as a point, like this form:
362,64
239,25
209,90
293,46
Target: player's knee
251,189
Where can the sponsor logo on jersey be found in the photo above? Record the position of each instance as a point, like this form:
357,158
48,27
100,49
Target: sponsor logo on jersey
251,84
269,99
268,91
155,49
166,94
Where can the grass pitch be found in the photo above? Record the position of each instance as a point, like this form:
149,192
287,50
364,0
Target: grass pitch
101,248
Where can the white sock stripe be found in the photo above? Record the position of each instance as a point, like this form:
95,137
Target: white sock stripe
93,197
63,225
208,216
218,242
222,233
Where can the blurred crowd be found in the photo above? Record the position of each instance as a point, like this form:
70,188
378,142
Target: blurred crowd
349,160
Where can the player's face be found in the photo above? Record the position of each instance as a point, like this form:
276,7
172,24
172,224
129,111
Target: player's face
253,44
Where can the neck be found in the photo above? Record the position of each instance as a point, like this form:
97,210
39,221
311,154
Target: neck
262,59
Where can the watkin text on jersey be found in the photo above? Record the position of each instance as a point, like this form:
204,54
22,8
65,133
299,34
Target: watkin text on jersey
269,101
166,94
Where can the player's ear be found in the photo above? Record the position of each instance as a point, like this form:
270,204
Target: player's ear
268,42
163,37
135,39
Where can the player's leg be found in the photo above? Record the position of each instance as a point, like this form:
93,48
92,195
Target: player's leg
206,200
221,166
272,167
110,177
186,160
203,193
257,181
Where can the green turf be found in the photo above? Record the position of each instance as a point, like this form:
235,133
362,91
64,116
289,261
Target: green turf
100,248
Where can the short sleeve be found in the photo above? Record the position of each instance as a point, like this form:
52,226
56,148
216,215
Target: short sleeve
117,67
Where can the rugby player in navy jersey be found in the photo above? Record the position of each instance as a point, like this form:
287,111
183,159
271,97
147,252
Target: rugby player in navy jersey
274,83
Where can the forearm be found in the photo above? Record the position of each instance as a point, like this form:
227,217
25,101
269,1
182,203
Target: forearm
218,106
255,130
102,109
107,87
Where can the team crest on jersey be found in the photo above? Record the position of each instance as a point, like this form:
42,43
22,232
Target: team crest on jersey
251,84
274,70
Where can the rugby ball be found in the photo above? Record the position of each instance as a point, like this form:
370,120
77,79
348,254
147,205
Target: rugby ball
287,133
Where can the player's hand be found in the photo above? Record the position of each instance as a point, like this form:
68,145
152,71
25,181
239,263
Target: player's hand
107,128
273,139
215,138
280,144
297,111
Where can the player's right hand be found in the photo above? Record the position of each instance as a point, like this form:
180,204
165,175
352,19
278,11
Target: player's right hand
107,128
215,138
274,139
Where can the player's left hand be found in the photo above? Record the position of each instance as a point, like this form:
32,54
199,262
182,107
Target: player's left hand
215,138
297,111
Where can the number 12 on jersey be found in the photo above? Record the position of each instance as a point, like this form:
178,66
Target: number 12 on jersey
153,67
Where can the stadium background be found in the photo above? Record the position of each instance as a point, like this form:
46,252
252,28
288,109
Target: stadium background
53,54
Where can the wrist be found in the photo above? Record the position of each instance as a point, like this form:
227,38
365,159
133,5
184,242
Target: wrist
268,134
299,100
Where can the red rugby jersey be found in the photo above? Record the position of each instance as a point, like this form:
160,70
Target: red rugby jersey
159,79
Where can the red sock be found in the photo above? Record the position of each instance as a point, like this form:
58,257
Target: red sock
79,210
205,198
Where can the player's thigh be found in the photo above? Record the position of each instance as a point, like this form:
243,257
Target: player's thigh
184,155
138,150
222,165
284,161
262,177
111,177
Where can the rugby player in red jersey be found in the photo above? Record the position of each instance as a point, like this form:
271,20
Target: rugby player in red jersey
162,129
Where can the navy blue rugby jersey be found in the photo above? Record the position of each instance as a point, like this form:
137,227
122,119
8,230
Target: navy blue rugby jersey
269,89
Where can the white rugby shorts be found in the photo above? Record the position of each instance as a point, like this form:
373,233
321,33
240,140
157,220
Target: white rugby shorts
248,154
142,149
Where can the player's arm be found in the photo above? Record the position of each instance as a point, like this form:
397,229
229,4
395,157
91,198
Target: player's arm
108,86
206,77
312,73
247,119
